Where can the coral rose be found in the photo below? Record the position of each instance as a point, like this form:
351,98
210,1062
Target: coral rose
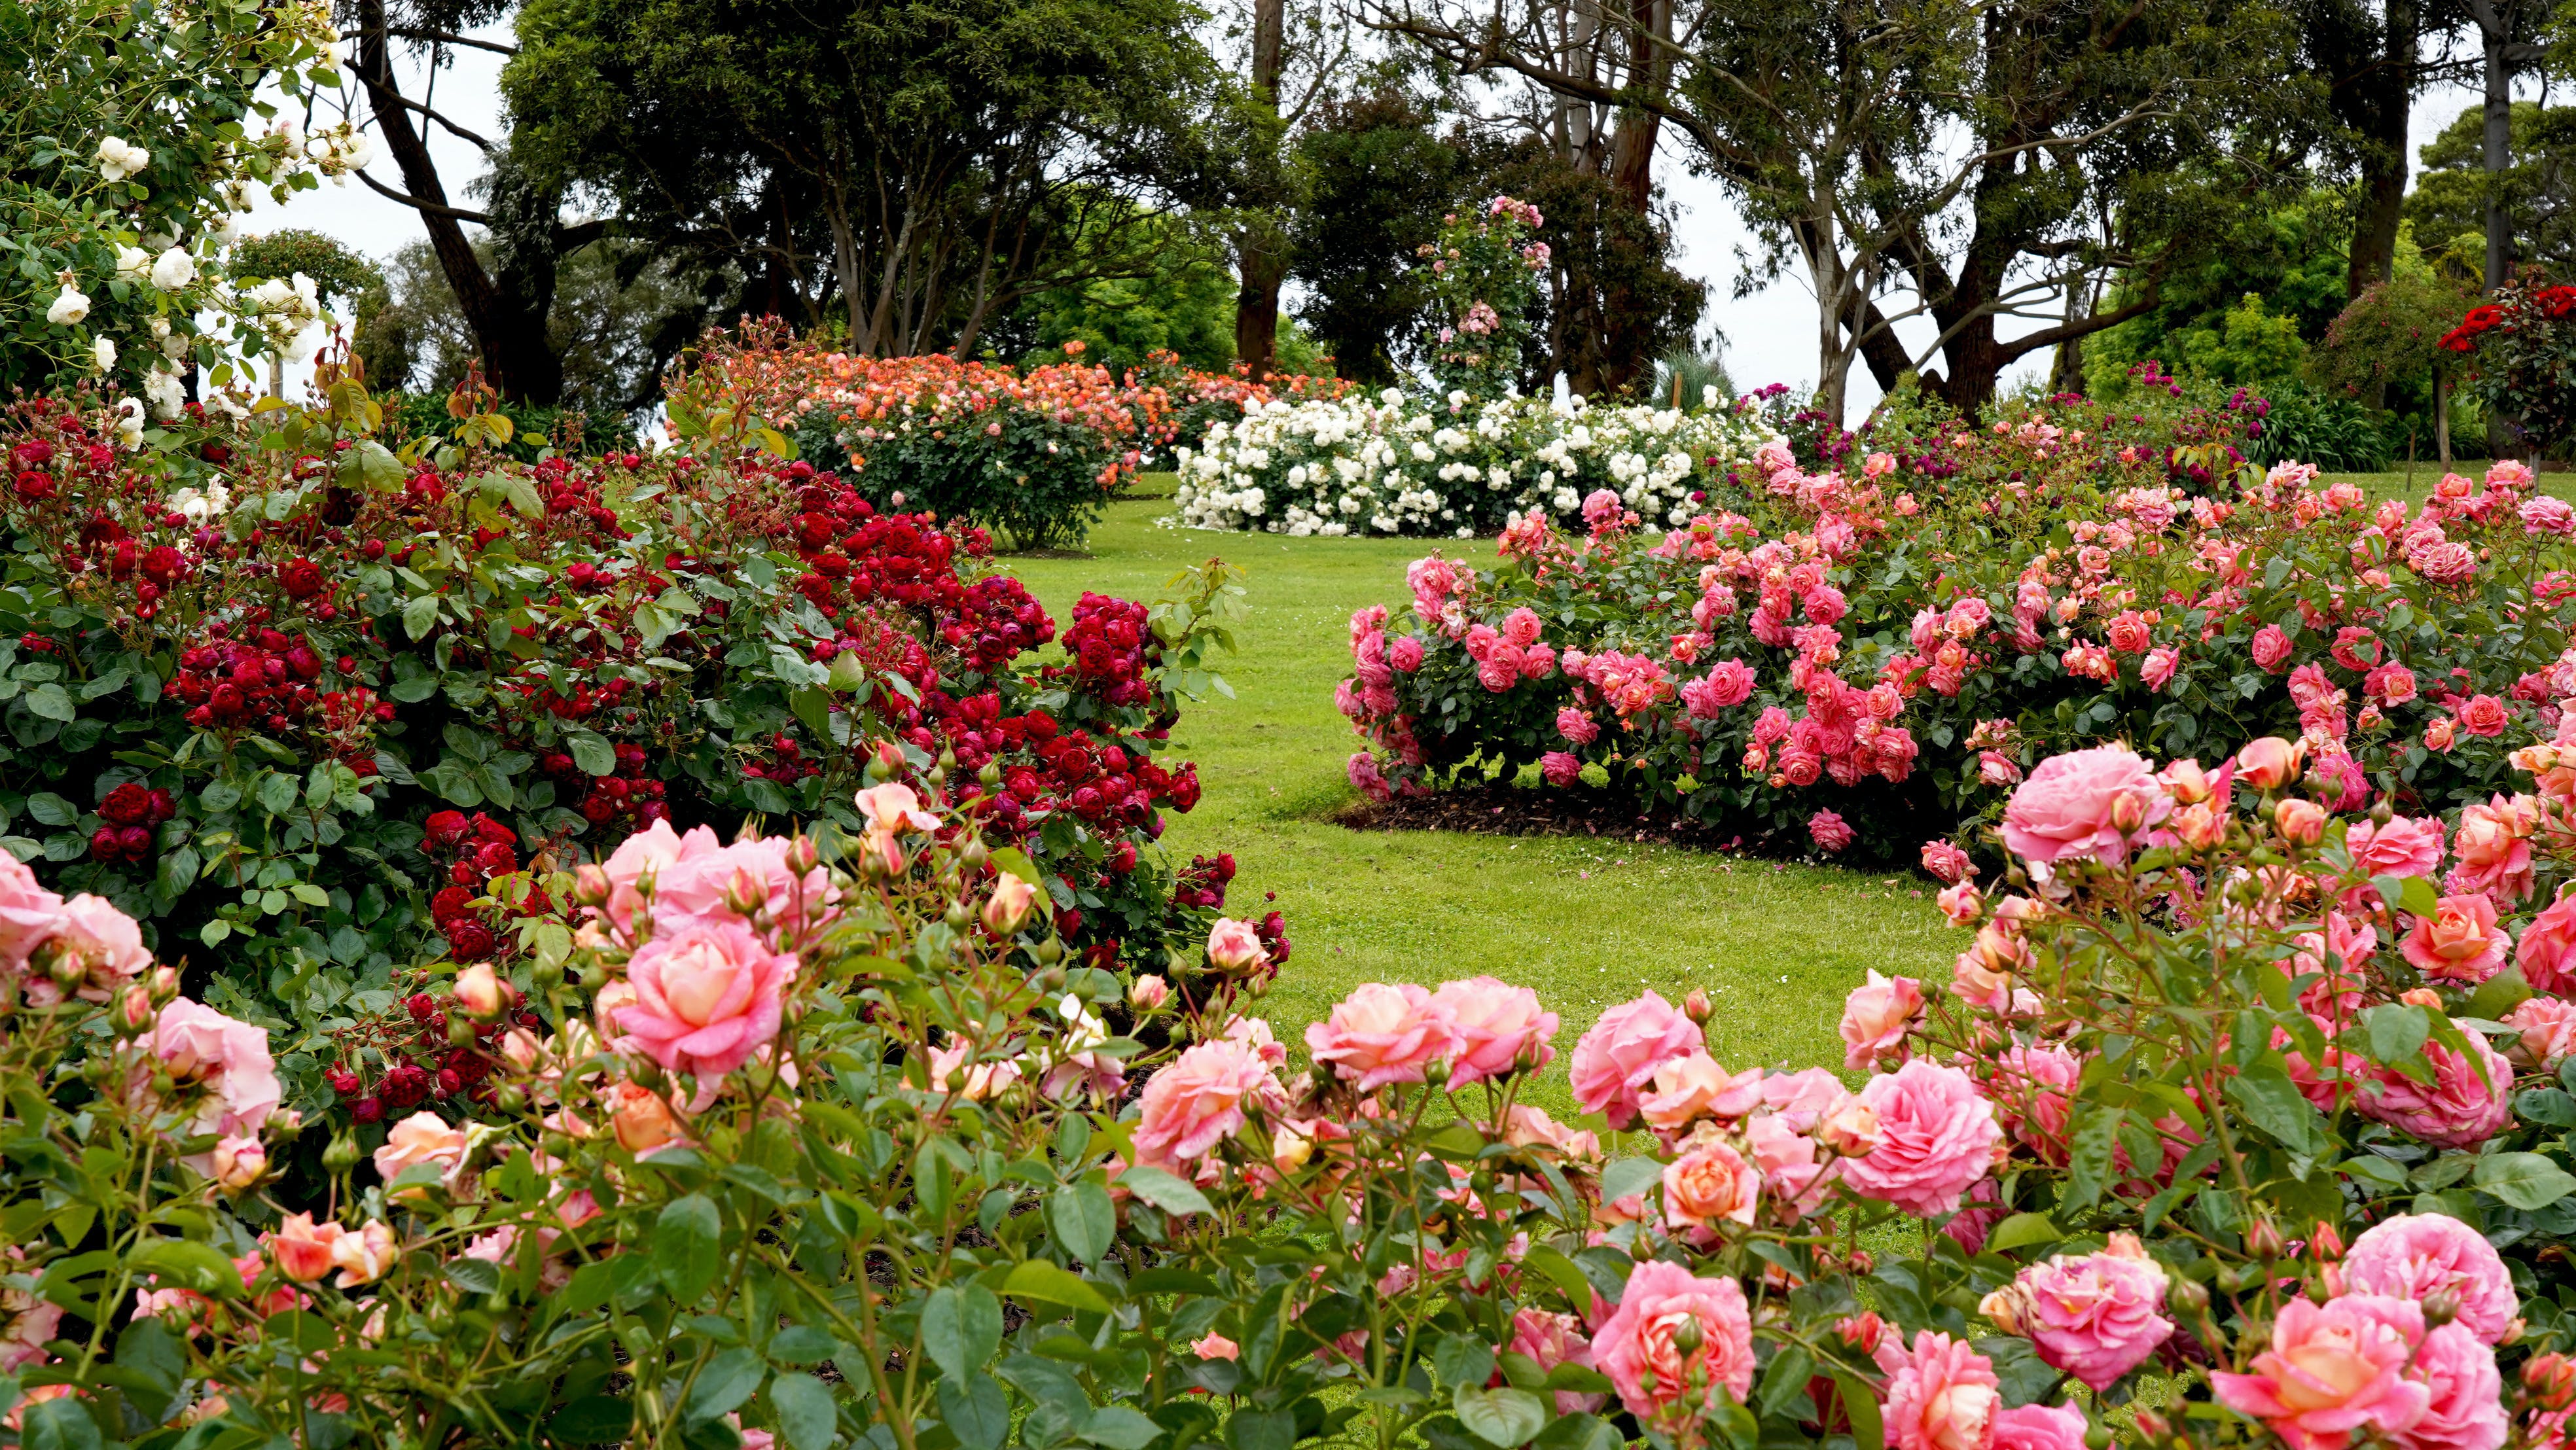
1635,1345
1500,1028
2416,1255
1383,1034
706,997
424,1137
2083,803
2547,951
2096,1316
2466,1103
2334,1371
1942,1396
1693,1087
1614,1061
2403,847
1936,1135
303,1250
2548,1027
2459,942
1708,1184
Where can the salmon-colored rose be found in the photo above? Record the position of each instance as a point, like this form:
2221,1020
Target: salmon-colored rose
1710,1184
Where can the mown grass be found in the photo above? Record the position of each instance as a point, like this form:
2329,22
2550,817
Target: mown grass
1587,923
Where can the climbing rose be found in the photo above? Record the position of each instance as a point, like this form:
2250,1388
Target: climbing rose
706,997
1383,1034
2083,803
2095,1316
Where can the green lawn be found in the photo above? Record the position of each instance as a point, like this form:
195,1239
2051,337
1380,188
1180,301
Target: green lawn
1587,923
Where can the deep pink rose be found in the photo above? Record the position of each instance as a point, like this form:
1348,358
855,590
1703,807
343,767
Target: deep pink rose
2333,1371
2483,715
2465,1409
2084,803
2414,1255
1946,863
2157,669
2547,951
1614,1061
2494,849
1876,1016
1198,1101
1635,1347
1382,1034
2403,847
2095,1316
2458,1110
1560,769
1943,1395
1500,1027
1936,1135
2459,942
1829,831
2039,1427
1405,654
706,996
2271,647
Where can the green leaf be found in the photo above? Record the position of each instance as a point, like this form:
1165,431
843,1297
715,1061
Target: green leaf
419,617
814,707
2271,1101
1120,1428
1083,1220
1048,1284
277,793
1167,1191
2549,1107
2526,1181
806,1415
191,1263
522,491
1626,1177
688,1247
961,1327
474,1276
2021,1231
1261,1430
2397,1031
592,752
52,809
1784,1380
593,1420
977,1411
1862,1406
51,701
1507,1418
62,1424
727,1381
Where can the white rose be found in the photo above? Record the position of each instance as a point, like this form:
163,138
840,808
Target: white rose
119,158
173,270
133,263
69,308
104,349
129,422
162,387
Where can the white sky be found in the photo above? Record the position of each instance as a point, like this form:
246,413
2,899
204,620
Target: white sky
1771,335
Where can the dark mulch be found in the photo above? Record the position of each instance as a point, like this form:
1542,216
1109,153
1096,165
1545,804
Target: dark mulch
1501,810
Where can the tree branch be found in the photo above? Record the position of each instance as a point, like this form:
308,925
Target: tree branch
430,208
444,37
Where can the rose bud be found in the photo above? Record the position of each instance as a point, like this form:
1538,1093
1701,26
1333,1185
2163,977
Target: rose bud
1148,993
2326,1242
164,985
590,885
482,993
1010,906
2264,1240
641,1120
1233,946
2186,782
239,1163
1289,1149
2551,1378
2441,1307
302,1249
2271,762
134,1012
1697,1007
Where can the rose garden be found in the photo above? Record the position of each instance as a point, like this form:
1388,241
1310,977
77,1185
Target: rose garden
947,904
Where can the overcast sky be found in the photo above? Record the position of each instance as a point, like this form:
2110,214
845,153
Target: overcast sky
1771,335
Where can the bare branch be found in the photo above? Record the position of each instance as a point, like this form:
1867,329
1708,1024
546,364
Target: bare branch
429,208
444,37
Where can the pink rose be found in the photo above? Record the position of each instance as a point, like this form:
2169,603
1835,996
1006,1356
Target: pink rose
1560,769
1235,946
2494,848
2039,1427
1213,1345
1946,863
2033,1087
1500,1028
2157,669
2465,1408
1829,831
691,875
1382,1034
1553,1339
92,931
2084,803
2548,1026
1405,654
1198,1101
2271,647
2459,1109
1729,683
706,996
1576,727
1942,1396
1936,1136
2544,953
2459,942
2483,715
2403,847
1614,1061
1876,1017
2332,1370
2270,762
1635,1346
2416,1255
2097,1316
225,1058
27,910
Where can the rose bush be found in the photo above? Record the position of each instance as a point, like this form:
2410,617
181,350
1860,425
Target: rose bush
846,1150
1844,662
2520,347
327,710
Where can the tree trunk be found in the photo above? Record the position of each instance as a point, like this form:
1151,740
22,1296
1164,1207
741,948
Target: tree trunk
1632,148
1261,246
2498,154
509,328
2383,155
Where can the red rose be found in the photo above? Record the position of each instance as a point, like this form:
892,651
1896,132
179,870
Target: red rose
446,829
127,805
300,578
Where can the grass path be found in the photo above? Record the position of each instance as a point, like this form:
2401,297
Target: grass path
1587,923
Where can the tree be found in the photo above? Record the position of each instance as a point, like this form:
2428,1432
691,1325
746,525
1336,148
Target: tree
1959,163
2292,256
1380,177
1184,306
1614,302
961,155
2534,192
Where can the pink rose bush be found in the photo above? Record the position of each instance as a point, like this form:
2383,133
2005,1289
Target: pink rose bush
1728,664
